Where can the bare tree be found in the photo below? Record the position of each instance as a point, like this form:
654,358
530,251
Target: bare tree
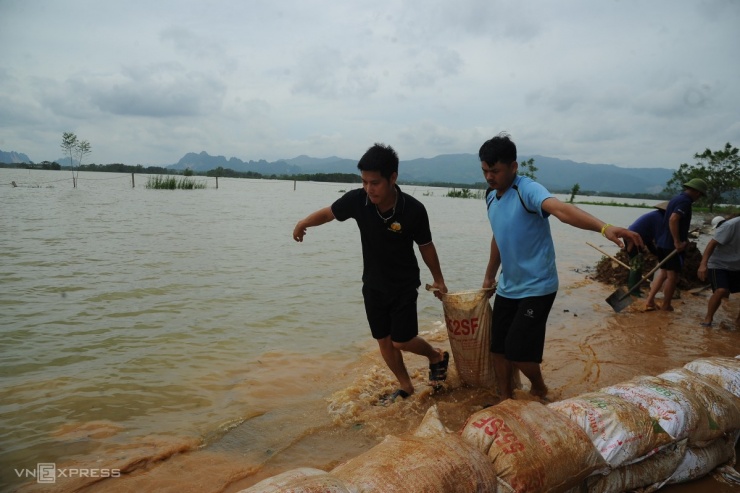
69,145
75,148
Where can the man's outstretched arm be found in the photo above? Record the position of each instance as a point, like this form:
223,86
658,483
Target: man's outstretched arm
570,214
321,216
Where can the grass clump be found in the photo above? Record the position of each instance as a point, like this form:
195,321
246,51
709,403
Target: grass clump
173,183
465,193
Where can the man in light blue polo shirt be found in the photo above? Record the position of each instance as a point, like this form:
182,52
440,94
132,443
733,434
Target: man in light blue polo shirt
522,246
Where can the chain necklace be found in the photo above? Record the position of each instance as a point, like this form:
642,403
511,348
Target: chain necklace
393,213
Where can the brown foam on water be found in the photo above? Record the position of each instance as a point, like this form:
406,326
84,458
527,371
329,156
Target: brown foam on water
128,461
92,429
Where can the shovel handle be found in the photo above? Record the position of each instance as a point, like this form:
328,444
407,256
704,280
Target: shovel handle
660,264
613,258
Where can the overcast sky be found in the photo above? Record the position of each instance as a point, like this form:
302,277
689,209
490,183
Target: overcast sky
634,83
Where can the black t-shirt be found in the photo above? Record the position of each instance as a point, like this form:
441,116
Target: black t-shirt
388,258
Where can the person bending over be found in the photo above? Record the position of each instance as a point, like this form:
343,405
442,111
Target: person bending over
674,235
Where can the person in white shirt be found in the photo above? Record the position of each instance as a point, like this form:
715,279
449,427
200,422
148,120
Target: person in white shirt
720,264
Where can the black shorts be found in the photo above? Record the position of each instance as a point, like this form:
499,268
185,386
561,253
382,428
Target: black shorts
392,314
675,263
518,327
725,279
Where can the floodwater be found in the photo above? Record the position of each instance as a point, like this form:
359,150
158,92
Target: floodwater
181,341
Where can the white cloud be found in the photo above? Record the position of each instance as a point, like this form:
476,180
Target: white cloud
624,82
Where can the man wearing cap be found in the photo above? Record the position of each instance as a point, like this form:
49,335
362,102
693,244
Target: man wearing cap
647,226
721,265
674,235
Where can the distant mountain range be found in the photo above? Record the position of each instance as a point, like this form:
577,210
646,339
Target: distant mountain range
13,157
555,174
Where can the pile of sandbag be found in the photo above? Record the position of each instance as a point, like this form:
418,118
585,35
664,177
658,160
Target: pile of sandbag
640,434
432,460
653,431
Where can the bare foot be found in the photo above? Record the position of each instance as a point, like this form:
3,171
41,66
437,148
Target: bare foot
666,308
539,392
503,398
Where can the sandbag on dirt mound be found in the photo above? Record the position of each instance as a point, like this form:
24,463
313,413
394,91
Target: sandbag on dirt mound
532,448
721,405
677,411
621,431
301,480
654,469
430,461
725,371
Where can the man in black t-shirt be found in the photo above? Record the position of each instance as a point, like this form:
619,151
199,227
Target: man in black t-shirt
390,222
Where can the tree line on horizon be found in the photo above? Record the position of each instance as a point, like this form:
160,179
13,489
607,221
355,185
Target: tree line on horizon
719,169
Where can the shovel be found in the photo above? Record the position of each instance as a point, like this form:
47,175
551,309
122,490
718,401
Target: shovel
698,291
613,258
621,299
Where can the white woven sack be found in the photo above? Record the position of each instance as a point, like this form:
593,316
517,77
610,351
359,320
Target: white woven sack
700,461
725,371
621,431
677,412
651,471
722,407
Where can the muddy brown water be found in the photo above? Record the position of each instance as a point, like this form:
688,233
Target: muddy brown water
185,341
327,412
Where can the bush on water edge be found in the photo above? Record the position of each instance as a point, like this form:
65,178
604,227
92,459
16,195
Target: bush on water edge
173,183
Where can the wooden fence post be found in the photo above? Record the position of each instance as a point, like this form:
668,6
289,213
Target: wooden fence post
133,184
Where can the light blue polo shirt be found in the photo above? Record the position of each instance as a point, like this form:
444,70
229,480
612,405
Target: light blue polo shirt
524,240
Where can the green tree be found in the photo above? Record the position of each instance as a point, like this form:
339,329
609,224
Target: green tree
49,165
82,149
73,147
573,191
720,169
527,168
